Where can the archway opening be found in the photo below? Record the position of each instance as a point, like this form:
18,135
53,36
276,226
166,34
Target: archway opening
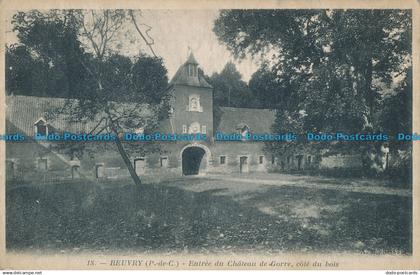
192,160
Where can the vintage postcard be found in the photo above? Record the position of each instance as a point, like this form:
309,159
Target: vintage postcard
210,135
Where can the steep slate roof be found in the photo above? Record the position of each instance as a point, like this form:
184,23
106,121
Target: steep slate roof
23,111
258,120
182,77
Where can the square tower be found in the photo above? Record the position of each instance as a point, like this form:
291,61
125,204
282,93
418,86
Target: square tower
192,100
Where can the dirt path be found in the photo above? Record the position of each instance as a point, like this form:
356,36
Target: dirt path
312,182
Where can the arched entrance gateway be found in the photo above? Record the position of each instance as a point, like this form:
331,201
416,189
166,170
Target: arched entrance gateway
195,159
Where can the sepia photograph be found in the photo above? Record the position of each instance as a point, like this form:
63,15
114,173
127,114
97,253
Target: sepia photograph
209,132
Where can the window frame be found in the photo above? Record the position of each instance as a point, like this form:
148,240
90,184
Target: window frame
38,164
97,165
167,161
144,159
37,124
199,108
75,168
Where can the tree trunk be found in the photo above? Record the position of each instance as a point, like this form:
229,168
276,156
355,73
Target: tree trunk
127,161
123,154
370,94
120,147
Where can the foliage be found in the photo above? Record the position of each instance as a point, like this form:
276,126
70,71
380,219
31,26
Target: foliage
26,75
230,90
331,67
74,52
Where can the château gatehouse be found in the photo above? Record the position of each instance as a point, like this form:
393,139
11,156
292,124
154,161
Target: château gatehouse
191,112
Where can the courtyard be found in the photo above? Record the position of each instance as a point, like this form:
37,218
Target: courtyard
264,213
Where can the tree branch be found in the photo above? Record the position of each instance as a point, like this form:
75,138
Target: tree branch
141,34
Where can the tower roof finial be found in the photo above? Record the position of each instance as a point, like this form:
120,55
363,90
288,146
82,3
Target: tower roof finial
191,58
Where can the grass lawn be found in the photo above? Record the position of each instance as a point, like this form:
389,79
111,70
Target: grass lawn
166,218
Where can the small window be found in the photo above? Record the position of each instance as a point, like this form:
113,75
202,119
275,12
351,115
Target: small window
43,164
288,160
222,160
261,159
273,159
243,131
99,171
194,104
75,172
10,169
184,129
204,129
140,165
164,161
41,127
309,159
192,70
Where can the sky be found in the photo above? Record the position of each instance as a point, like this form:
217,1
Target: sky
175,32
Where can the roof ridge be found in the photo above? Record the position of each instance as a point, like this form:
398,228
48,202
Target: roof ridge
265,109
39,97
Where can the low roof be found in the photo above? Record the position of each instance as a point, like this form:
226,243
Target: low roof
258,120
22,112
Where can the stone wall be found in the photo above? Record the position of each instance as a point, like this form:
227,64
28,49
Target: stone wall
180,102
341,161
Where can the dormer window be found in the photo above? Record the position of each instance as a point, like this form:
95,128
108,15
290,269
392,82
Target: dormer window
192,70
243,130
41,127
194,104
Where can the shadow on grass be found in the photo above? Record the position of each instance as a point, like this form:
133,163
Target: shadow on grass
343,221
394,178
156,218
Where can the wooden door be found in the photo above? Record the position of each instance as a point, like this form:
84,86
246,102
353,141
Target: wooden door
140,165
243,165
